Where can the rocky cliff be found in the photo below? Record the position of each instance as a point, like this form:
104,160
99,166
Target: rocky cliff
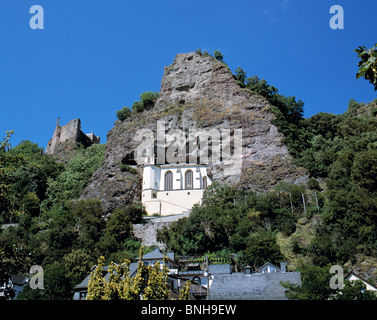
199,93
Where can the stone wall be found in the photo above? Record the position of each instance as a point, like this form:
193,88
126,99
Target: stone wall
69,135
147,233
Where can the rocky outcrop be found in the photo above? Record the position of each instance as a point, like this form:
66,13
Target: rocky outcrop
199,93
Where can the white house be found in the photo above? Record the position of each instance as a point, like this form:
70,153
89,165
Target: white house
352,276
172,188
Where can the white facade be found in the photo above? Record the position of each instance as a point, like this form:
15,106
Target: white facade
353,277
172,189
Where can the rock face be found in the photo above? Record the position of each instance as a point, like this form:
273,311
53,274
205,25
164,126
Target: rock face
198,93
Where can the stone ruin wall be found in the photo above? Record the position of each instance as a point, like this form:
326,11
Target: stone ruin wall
70,132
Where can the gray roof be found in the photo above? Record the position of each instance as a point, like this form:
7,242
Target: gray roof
220,268
19,280
157,254
256,286
267,264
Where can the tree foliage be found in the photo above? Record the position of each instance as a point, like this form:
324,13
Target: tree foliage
218,55
367,64
149,283
24,176
123,113
146,102
236,221
315,286
76,175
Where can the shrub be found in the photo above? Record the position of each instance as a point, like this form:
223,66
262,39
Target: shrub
124,113
218,55
127,168
147,101
240,75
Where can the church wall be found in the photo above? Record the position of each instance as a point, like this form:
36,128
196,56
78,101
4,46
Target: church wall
157,200
171,202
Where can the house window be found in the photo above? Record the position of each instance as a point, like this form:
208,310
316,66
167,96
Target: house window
196,280
169,180
204,182
189,179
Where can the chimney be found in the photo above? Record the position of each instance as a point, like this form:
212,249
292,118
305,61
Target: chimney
283,266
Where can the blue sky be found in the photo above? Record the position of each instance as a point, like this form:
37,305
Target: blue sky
93,57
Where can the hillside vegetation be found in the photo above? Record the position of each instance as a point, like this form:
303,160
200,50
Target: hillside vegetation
331,220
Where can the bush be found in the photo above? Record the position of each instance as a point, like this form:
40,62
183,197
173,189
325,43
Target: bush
124,113
72,181
218,55
127,168
147,101
262,248
240,75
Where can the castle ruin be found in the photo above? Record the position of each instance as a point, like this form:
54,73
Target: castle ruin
70,132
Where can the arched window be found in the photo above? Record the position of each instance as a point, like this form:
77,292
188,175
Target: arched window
189,179
196,280
169,180
204,182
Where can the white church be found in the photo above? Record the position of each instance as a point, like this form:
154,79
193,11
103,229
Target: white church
170,189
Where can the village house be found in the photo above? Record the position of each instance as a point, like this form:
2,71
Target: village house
219,279
352,276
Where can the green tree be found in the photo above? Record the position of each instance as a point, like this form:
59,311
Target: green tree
57,286
97,282
147,101
354,290
157,285
8,165
72,181
5,275
367,64
120,222
218,55
364,169
149,283
184,293
262,248
240,75
89,223
77,263
32,175
124,113
315,284
27,148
